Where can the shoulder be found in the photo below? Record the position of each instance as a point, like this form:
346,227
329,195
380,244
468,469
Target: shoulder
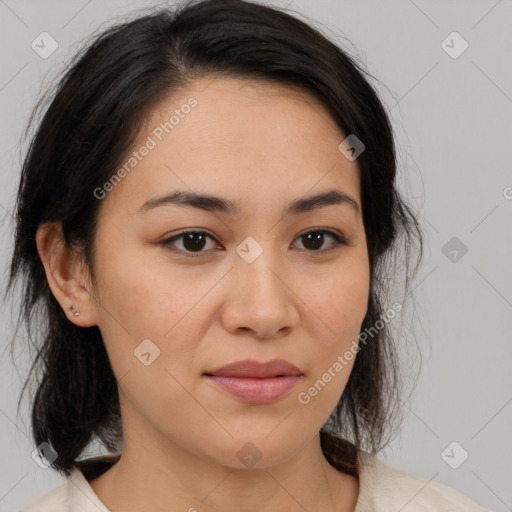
55,500
384,488
75,494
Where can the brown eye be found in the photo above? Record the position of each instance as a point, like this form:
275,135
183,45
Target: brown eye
314,240
191,241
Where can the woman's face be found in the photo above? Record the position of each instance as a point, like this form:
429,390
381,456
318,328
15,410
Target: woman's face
262,280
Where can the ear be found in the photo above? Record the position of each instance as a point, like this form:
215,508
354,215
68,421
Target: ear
66,275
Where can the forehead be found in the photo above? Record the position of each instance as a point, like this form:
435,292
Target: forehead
231,137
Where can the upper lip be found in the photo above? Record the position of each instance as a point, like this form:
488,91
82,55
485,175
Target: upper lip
256,369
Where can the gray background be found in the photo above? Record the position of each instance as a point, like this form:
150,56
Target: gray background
453,124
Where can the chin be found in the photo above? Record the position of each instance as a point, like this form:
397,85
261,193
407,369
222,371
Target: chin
258,451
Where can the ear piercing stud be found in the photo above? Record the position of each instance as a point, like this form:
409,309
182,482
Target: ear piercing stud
75,313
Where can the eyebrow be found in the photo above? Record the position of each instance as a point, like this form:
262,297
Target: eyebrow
215,204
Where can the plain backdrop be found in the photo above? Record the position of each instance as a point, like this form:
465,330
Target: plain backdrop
451,110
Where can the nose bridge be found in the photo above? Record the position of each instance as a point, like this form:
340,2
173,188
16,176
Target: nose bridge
260,297
257,269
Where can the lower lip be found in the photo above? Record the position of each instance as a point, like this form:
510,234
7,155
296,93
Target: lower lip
262,391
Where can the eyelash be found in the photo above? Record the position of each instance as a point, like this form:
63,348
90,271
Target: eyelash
339,241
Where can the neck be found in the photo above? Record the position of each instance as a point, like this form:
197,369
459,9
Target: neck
176,480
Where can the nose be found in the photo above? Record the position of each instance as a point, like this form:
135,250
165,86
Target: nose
260,299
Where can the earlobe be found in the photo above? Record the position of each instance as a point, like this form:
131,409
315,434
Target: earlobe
74,310
63,271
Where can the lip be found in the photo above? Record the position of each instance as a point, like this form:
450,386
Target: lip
256,382
256,369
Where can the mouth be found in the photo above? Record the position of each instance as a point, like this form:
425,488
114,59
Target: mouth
256,382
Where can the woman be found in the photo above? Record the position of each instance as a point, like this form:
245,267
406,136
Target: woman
208,215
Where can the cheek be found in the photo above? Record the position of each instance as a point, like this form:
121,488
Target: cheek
141,285
138,301
150,321
337,305
338,299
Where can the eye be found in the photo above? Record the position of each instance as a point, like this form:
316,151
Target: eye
193,242
313,240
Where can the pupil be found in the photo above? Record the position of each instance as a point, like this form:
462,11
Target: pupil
314,237
193,241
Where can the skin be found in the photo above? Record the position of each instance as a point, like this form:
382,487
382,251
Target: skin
262,145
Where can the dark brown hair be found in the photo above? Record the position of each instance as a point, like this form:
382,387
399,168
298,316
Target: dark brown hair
93,117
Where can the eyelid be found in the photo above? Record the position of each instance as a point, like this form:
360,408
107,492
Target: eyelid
330,231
